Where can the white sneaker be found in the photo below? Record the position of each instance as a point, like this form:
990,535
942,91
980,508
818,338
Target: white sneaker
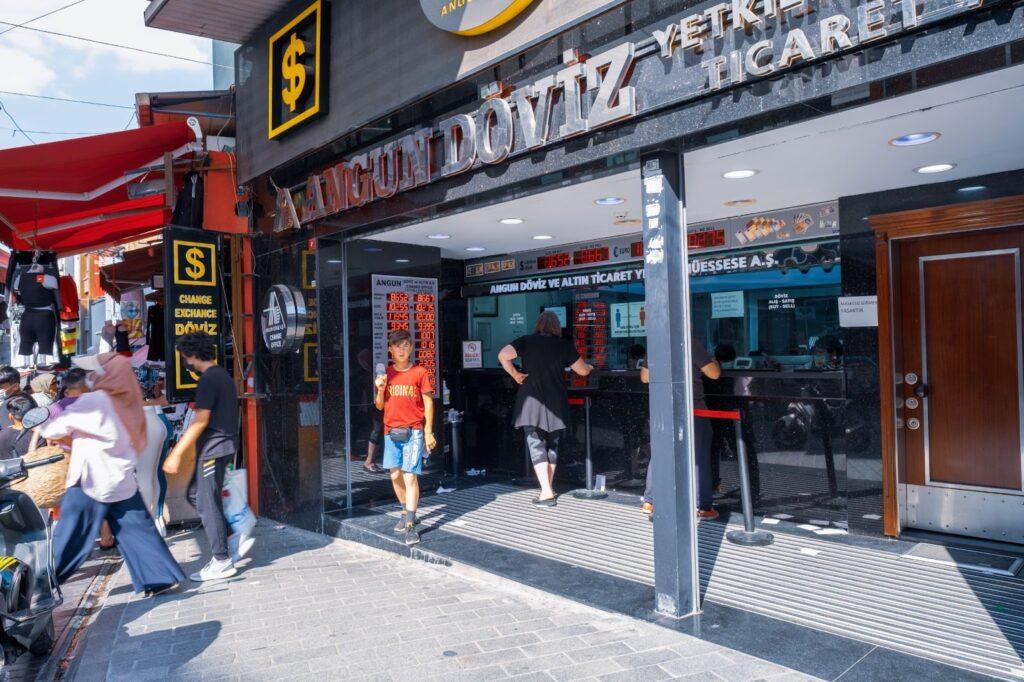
239,545
215,570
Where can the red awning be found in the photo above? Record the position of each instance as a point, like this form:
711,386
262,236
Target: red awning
71,196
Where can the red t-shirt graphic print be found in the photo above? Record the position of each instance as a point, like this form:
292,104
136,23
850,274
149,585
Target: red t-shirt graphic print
403,400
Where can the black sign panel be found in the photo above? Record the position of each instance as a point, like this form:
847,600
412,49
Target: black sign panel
296,66
192,300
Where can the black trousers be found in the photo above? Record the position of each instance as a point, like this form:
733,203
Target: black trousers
702,453
208,485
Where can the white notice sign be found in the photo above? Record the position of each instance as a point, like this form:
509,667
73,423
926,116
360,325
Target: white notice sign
858,311
726,304
628,319
472,354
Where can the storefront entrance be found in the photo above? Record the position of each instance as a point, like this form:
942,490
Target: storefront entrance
960,334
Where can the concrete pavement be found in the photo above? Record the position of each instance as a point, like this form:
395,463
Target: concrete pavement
305,606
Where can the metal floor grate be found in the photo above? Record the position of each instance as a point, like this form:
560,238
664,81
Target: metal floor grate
966,618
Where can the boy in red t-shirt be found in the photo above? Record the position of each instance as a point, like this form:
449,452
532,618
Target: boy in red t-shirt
405,394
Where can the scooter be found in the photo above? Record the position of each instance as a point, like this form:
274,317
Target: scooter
29,592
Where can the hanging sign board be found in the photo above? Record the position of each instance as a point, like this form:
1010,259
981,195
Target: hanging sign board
406,303
192,300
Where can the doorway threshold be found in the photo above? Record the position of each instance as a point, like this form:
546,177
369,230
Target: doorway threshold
963,558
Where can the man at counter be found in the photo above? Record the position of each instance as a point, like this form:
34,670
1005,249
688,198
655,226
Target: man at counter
703,364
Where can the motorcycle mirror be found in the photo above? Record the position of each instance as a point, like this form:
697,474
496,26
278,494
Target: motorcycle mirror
37,416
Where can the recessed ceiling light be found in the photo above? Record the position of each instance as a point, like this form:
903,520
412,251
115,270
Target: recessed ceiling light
511,221
972,188
372,249
474,248
741,202
609,201
439,235
739,174
401,260
935,168
542,237
914,139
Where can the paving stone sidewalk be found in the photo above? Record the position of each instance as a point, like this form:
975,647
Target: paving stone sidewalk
305,606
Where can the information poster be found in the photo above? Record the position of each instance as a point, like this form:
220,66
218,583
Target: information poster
192,300
406,303
726,304
858,311
628,319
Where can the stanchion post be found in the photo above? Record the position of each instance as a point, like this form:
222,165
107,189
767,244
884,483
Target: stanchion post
590,493
749,535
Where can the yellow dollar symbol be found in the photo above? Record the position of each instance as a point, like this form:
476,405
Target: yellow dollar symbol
293,71
196,268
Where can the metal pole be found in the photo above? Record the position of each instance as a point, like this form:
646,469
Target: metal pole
666,276
589,493
748,536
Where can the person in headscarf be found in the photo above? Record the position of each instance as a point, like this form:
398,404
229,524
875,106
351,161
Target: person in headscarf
44,389
104,426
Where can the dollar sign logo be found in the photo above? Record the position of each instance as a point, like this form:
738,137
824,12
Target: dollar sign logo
293,71
196,268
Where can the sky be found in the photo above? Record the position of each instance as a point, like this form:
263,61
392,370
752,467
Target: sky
37,63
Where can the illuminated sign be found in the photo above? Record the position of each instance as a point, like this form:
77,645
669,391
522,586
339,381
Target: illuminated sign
192,300
297,71
283,319
472,17
710,48
408,303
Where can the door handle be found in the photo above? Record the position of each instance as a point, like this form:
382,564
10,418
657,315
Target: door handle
921,391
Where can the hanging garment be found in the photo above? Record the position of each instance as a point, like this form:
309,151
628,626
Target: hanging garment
155,333
38,328
69,311
188,209
69,335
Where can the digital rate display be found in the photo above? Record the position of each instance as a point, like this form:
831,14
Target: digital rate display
706,239
408,303
554,260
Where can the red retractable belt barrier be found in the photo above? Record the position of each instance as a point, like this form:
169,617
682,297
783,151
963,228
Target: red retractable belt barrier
733,415
577,401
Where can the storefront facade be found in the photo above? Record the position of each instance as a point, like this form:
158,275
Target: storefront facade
371,154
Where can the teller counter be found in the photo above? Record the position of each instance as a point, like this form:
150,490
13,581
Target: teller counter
795,428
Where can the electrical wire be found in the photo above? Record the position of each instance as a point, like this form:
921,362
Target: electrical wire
130,119
3,108
41,16
117,45
50,132
66,99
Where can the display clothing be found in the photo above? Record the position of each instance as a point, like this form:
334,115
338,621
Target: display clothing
155,334
188,209
542,401
69,311
37,331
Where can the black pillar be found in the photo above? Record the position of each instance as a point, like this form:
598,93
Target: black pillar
668,355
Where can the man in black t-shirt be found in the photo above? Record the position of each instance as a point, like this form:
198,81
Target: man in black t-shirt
17,406
214,432
10,383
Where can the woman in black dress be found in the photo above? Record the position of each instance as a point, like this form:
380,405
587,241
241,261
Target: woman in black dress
542,403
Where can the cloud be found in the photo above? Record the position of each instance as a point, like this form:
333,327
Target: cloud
24,73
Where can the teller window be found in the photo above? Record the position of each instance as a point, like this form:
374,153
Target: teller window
606,323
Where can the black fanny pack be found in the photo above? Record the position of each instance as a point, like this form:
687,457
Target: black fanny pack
400,434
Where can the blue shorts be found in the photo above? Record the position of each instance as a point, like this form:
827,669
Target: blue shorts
408,456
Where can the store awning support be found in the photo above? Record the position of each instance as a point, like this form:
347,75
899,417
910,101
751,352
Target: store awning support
676,574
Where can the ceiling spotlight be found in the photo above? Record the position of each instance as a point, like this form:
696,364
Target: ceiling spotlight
739,174
741,202
935,168
474,248
511,221
972,188
542,237
609,201
914,139
401,260
439,235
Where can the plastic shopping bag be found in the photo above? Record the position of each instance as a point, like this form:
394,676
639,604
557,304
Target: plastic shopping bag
236,502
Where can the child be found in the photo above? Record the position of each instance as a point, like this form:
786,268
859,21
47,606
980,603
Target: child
405,394
11,443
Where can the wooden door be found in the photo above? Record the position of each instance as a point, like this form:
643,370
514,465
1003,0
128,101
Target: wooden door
959,401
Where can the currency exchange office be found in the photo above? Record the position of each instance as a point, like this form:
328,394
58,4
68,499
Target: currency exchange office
850,173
